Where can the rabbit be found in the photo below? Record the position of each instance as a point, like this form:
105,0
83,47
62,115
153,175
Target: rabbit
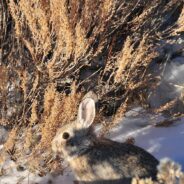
100,161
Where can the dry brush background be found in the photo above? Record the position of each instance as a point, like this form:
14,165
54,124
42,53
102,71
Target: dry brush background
54,51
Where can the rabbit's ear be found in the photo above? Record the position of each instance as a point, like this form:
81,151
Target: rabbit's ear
86,112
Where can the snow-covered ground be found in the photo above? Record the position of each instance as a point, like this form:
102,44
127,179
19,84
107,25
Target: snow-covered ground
139,124
159,141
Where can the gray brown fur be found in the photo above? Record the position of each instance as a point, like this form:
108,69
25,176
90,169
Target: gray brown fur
101,161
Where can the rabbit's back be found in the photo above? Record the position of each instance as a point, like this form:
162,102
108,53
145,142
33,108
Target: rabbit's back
108,160
127,159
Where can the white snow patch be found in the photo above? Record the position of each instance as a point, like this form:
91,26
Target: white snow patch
159,141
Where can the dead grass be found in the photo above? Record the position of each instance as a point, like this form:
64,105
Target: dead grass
62,49
180,26
3,82
169,172
59,110
10,143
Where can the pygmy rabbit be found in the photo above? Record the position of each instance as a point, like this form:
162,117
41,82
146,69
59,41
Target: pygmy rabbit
100,161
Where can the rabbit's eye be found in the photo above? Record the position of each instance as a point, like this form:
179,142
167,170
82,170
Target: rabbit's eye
66,135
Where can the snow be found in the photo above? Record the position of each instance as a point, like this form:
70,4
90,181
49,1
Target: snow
29,178
160,141
25,177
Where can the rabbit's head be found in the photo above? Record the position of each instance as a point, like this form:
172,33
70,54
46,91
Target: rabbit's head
76,137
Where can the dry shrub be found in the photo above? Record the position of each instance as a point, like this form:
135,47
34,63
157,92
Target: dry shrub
34,117
59,109
124,59
33,14
105,46
10,143
3,82
112,48
131,60
28,139
169,172
180,26
3,77
166,106
143,181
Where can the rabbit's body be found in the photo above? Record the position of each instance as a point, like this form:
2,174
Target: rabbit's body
100,161
108,160
112,161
